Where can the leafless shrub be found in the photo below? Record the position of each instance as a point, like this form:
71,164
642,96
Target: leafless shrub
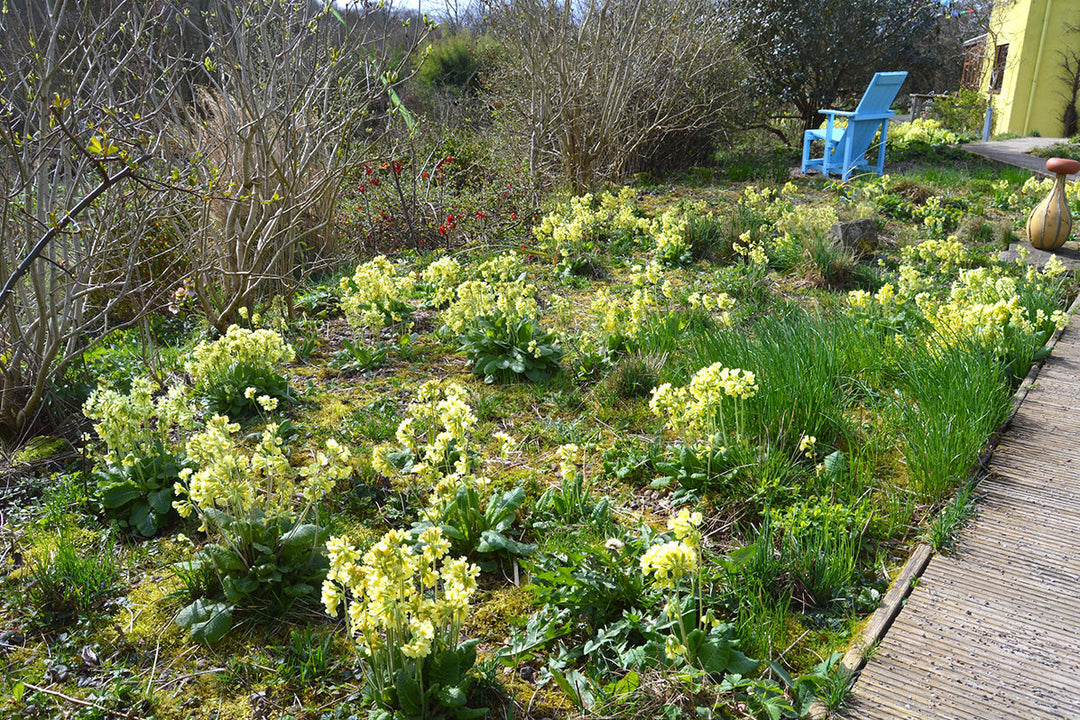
82,250
602,87
291,91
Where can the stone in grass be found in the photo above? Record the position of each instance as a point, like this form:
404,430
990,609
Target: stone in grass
858,236
1068,254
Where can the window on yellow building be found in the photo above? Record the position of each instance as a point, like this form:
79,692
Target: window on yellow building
998,73
974,51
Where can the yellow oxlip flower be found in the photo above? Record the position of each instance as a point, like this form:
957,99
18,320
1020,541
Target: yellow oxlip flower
399,599
684,525
673,648
263,349
371,294
668,563
568,455
443,275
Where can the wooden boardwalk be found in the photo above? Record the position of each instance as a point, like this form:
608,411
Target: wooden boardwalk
993,629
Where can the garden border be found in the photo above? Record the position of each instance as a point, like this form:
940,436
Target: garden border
880,622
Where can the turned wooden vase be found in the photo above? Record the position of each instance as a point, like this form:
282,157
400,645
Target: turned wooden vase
1050,223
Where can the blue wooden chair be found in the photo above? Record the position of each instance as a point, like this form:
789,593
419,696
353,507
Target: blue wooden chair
846,148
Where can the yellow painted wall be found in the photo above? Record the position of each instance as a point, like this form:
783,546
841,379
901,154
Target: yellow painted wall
1032,96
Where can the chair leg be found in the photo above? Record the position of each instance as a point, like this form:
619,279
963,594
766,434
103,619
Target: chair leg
828,150
845,167
881,148
806,151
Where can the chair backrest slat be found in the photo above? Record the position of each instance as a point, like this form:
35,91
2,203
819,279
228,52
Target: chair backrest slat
878,97
881,92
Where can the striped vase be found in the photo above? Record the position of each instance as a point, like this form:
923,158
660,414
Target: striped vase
1050,223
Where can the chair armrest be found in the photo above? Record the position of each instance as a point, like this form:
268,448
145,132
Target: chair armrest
858,115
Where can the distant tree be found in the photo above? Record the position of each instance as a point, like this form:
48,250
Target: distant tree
815,53
290,87
455,16
143,142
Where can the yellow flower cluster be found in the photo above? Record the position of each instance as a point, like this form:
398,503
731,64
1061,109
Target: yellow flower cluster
126,423
684,525
943,255
501,268
1000,187
883,299
983,304
266,402
1037,186
910,282
720,305
822,513
501,287
691,411
376,294
982,285
587,217
668,563
238,482
506,444
670,236
263,349
583,219
673,648
439,431
616,317
752,197
646,276
401,600
752,252
443,275
807,221
568,456
985,322
921,131
921,263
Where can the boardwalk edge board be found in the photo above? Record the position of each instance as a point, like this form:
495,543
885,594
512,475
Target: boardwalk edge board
882,618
